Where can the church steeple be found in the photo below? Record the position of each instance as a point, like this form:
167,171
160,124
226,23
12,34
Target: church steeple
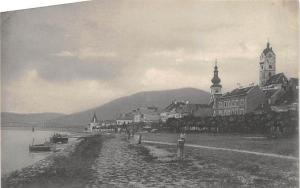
216,80
94,119
267,63
216,87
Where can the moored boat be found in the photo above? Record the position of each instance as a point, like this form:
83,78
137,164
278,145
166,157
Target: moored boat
39,147
59,138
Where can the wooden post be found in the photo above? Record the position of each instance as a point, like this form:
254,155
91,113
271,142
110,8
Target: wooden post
180,147
140,139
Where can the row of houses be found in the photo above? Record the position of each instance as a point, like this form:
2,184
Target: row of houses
177,109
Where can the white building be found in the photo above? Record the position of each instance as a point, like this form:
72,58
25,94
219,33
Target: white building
94,125
124,119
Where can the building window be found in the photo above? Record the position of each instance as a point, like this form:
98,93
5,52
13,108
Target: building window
242,102
270,66
270,74
220,104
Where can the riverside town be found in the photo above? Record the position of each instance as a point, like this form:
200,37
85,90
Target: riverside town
151,94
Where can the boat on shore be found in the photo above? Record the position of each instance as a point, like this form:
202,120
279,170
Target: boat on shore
59,138
40,147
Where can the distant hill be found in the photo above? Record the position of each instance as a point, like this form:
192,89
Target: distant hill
110,110
37,119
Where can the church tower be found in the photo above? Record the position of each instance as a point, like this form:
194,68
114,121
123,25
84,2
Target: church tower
267,65
216,87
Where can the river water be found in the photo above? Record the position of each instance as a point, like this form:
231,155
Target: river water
15,148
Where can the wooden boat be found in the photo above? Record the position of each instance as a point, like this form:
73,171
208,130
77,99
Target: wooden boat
46,146
39,147
59,138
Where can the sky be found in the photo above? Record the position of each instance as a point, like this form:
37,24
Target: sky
69,58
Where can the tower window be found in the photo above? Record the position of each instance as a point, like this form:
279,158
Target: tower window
270,66
270,74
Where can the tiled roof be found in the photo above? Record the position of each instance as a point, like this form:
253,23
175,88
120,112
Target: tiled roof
294,80
175,105
277,79
238,92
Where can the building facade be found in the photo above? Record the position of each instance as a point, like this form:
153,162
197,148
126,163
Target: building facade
124,119
174,110
240,101
267,65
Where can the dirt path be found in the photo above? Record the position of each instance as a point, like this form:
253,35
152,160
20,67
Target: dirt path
226,149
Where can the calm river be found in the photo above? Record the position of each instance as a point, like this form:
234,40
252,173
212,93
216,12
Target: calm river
15,148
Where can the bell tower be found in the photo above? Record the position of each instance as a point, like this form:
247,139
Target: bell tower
267,65
216,87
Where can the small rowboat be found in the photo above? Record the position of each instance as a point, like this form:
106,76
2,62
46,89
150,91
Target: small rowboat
39,147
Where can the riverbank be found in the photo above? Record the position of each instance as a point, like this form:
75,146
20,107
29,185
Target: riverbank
114,161
70,167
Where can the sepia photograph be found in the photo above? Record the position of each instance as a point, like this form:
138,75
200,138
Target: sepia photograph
160,93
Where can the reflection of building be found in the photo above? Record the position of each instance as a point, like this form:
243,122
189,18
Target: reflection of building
125,119
240,101
146,114
94,123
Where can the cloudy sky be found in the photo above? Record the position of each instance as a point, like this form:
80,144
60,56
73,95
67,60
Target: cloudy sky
69,58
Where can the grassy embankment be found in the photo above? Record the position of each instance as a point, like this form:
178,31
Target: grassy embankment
282,146
232,169
73,170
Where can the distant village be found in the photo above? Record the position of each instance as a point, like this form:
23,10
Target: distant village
275,92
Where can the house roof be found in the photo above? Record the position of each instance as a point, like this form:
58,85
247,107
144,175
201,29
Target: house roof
175,105
277,79
269,93
294,81
238,92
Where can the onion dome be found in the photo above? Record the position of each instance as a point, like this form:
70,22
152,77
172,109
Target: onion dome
216,80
